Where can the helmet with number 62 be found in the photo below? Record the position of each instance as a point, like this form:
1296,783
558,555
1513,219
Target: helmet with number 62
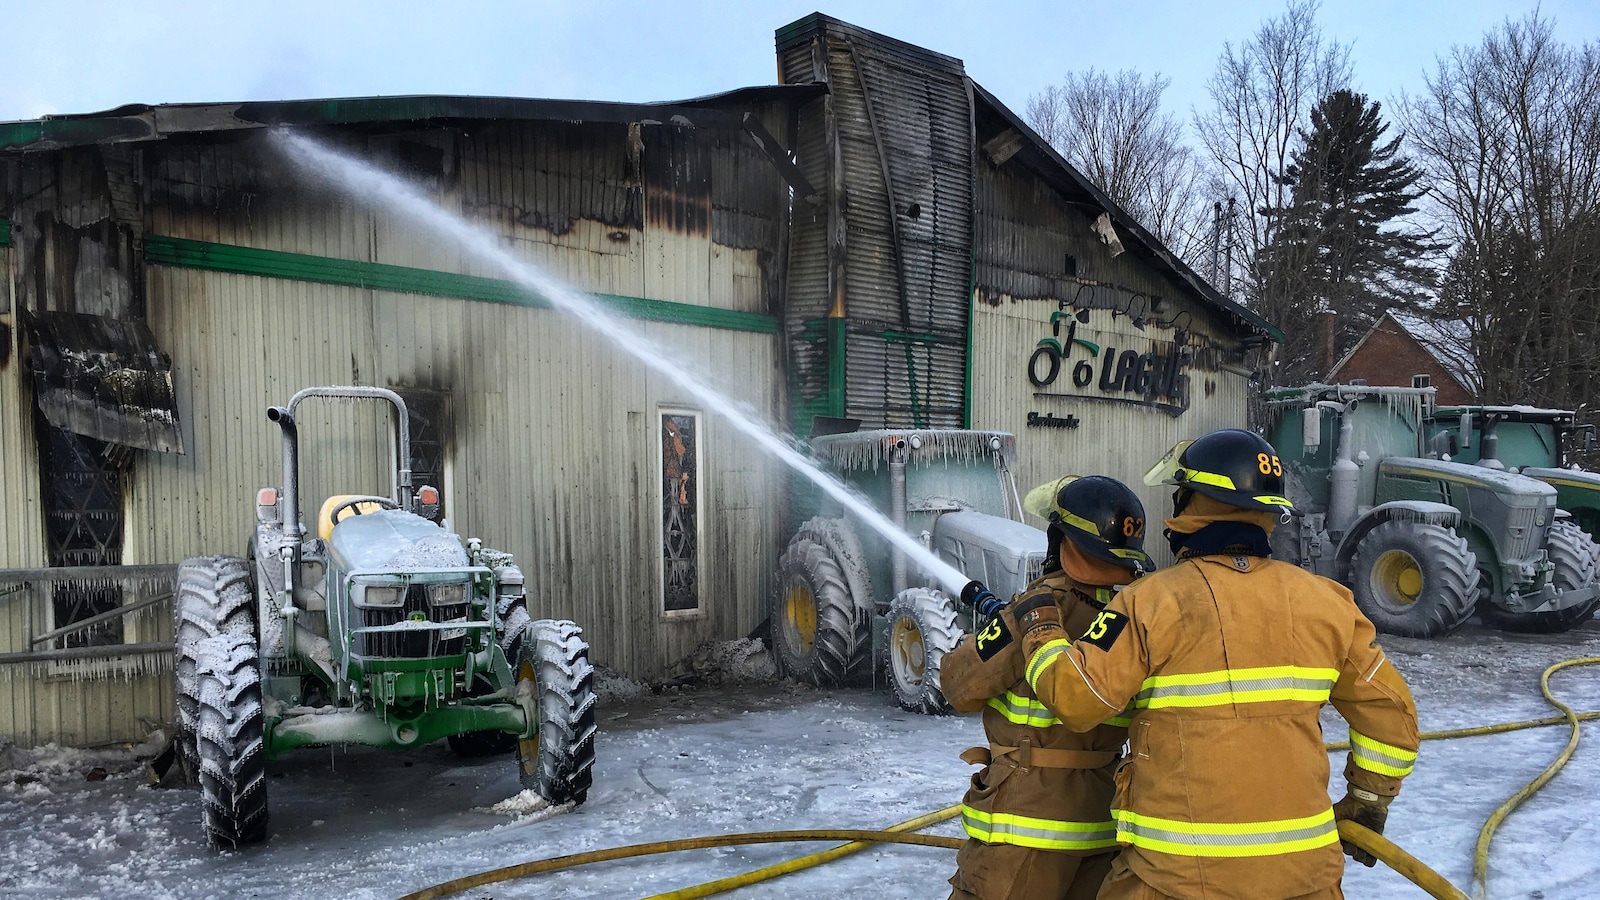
1100,515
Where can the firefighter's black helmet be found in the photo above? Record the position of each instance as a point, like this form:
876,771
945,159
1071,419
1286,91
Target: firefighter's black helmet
1234,466
1103,518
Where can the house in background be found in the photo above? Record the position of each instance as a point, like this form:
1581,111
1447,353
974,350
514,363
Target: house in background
1400,347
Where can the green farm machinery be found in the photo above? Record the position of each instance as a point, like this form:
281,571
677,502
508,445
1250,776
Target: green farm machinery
1422,540
367,624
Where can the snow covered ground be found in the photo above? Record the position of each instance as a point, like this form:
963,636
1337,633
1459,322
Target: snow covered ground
366,824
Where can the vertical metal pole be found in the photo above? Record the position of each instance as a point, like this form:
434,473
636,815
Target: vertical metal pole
897,509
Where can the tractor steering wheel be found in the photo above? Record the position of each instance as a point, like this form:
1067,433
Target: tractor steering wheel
354,504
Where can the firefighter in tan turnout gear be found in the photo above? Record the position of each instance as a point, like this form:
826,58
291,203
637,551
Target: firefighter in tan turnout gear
1038,815
1227,657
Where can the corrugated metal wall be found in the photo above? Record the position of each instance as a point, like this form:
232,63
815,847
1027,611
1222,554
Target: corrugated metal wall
555,452
896,148
1025,233
21,517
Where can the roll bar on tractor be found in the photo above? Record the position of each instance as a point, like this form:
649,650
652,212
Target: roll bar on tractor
284,416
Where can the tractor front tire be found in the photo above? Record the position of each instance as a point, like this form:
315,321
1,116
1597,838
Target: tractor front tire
922,629
553,665
213,596
1414,579
1572,553
231,739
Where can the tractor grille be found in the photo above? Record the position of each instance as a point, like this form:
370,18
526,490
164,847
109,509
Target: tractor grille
409,644
1523,538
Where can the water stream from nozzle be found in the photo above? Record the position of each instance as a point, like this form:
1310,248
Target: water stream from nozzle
370,184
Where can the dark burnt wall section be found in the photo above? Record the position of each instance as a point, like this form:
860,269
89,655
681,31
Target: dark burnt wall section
1035,240
77,223
896,157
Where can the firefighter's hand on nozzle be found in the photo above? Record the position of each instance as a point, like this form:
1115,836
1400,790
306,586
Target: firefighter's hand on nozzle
980,600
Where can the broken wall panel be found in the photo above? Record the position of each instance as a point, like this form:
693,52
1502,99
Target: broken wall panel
104,378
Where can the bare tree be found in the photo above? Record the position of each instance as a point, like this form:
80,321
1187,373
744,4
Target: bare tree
1508,133
1112,128
1261,93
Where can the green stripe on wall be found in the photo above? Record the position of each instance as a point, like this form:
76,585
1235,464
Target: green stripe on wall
5,232
187,254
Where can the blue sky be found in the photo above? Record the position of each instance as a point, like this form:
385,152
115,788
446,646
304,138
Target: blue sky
65,56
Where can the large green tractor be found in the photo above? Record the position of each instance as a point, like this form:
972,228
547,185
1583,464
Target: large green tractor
1535,442
1421,540
367,624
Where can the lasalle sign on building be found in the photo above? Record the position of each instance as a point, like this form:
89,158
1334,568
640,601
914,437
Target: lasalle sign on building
1077,361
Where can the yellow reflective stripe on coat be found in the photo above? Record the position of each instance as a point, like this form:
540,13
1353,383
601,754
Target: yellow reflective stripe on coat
1023,711
1043,658
1229,686
1226,839
1122,719
1376,756
1040,834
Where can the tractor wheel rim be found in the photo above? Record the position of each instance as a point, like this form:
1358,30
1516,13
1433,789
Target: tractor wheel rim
1396,580
910,654
800,612
528,748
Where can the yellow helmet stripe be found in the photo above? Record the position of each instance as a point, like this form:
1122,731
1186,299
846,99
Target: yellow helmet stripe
1080,523
1275,501
1198,477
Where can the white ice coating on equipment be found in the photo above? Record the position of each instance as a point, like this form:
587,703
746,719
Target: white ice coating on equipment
363,181
860,450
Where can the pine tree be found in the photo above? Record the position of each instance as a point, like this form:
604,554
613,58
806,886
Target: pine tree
1341,254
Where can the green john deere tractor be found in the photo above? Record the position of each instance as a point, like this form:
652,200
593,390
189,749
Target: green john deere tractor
850,605
368,624
1421,540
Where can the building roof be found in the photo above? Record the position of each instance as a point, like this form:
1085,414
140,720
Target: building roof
1048,163
143,122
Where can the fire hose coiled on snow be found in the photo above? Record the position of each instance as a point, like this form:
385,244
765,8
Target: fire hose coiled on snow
1392,855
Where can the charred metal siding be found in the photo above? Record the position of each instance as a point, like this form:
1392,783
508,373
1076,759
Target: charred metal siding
554,450
1027,231
898,130
22,538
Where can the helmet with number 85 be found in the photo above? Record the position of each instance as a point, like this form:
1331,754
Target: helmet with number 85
1234,466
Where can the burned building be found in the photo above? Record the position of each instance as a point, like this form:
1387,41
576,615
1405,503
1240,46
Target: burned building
876,237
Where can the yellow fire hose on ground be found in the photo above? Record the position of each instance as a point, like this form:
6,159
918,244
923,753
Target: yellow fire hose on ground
1392,855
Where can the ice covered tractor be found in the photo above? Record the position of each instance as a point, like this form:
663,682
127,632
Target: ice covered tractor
847,603
367,624
1535,442
1421,540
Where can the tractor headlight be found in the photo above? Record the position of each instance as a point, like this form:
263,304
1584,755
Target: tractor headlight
447,594
381,595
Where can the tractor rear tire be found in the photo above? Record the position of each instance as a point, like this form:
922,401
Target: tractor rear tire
1414,579
213,597
558,761
231,739
922,629
819,633
1573,554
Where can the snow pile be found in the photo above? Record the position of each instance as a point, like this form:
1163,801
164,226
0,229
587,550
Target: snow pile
743,661
611,686
528,806
52,764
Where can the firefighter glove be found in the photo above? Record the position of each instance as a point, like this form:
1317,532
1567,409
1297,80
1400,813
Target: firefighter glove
1363,808
978,598
1037,611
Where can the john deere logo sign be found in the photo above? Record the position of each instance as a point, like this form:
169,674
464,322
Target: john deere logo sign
1152,373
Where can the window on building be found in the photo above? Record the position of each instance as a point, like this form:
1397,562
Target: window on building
680,511
82,489
429,415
